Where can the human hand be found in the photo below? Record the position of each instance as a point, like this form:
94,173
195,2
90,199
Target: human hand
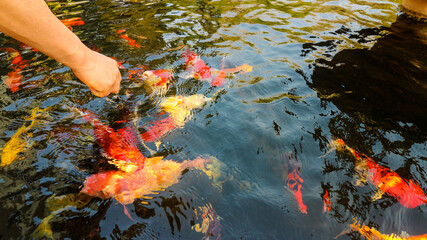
100,73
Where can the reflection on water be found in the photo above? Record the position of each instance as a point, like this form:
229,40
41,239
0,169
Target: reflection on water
321,70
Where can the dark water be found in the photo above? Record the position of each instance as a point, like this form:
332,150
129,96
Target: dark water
355,70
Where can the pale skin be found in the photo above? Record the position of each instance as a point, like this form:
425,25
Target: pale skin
32,22
418,6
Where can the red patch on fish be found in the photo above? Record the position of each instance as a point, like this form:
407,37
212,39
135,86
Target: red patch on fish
326,202
195,64
119,145
158,129
294,182
164,75
408,193
129,40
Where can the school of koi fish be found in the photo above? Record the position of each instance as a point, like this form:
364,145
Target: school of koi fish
139,177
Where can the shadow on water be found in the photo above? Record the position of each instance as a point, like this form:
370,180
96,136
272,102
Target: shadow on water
381,94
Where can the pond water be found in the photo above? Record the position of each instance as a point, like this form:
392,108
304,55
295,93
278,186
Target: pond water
322,70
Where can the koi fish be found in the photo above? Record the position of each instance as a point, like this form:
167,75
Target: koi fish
179,110
157,81
71,22
294,182
197,68
118,145
125,187
13,79
408,193
326,202
373,234
16,143
130,41
55,205
210,225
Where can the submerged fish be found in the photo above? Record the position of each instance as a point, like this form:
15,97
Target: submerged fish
156,81
54,206
71,22
179,109
17,143
210,225
120,145
125,187
14,77
294,182
373,234
408,193
130,41
197,68
326,202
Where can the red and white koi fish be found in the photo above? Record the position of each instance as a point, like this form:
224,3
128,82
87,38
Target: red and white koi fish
71,22
408,193
179,110
197,68
326,202
129,40
157,81
373,234
294,182
120,145
13,80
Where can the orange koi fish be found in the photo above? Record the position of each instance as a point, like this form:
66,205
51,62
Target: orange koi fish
13,80
294,182
373,234
326,202
179,110
71,22
118,145
197,68
211,225
408,193
130,41
125,187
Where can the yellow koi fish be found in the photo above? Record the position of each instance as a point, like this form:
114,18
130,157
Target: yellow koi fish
16,143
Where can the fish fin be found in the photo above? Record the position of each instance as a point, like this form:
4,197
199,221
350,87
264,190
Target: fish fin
346,231
127,212
377,195
187,75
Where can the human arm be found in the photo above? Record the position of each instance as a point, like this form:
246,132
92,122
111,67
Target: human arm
32,22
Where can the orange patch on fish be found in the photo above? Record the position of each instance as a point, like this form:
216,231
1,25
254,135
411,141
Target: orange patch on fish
294,182
373,234
326,202
71,22
14,77
130,41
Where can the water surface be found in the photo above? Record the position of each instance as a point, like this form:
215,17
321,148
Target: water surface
354,70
